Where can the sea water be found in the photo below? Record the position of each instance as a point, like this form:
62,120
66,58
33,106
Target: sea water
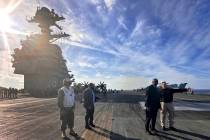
201,91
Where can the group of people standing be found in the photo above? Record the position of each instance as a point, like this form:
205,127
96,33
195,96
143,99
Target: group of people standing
159,98
66,103
10,93
156,98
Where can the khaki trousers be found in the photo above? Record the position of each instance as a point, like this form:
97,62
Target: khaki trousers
167,108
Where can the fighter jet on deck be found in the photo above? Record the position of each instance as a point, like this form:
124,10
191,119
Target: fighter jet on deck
176,86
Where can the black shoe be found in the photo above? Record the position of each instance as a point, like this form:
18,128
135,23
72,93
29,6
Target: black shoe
149,132
164,128
153,129
73,133
172,128
88,127
92,125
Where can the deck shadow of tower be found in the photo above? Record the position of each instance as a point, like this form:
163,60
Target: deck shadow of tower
39,60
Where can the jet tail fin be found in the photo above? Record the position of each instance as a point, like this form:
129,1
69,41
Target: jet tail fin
182,85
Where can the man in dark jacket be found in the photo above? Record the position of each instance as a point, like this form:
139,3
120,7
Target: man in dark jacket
167,105
89,100
152,105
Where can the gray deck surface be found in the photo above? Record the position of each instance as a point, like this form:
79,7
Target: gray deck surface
119,117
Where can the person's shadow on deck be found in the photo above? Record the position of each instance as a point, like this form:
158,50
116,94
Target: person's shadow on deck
76,138
115,136
167,135
192,134
109,134
66,138
162,134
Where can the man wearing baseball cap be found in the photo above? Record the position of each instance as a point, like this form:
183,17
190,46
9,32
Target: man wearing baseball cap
66,103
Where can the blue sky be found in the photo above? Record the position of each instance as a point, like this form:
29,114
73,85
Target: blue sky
125,43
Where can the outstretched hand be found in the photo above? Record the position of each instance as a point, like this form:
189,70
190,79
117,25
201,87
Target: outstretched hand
189,90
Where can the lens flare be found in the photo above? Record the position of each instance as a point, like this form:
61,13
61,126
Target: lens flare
6,24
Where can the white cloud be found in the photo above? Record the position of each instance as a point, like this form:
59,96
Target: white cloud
88,63
96,2
101,64
121,22
84,64
109,3
138,30
146,61
11,80
81,45
121,82
98,74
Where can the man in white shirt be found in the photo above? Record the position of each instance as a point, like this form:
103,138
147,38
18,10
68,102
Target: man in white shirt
66,103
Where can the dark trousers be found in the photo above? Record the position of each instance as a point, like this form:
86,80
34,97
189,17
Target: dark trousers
89,116
151,116
67,118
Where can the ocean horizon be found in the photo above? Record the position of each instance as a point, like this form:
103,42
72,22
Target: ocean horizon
201,91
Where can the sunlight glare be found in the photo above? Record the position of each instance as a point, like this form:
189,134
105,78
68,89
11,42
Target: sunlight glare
6,22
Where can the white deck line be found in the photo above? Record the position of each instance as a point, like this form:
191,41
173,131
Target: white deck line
183,105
